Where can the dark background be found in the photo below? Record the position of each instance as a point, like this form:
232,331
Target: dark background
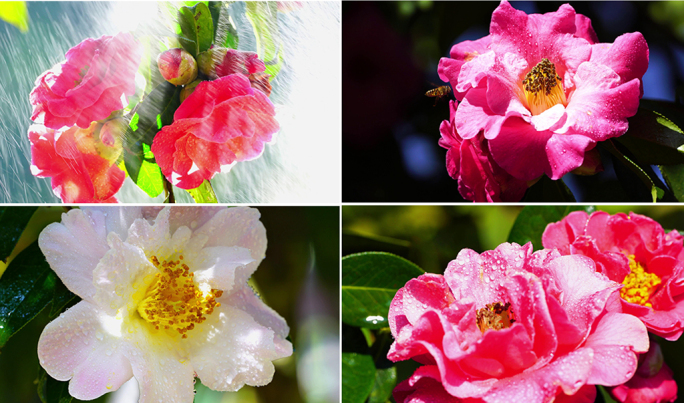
390,53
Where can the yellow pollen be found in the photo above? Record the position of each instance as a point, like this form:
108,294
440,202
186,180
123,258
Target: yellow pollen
173,300
470,56
495,316
639,284
543,88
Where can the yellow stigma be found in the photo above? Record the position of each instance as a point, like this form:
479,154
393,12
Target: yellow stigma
639,284
543,87
173,300
495,316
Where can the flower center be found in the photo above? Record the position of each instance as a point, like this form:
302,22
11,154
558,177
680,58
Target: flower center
639,284
543,87
173,300
495,316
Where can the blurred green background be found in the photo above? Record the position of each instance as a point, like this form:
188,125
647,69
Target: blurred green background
432,236
299,279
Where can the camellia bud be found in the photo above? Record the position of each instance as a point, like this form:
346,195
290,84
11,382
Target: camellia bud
177,66
111,139
188,89
221,62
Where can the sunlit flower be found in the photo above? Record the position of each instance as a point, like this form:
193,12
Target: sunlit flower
543,90
165,299
510,325
652,382
222,122
480,179
81,162
89,85
633,250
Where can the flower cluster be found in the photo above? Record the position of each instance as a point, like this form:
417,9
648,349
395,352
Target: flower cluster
76,137
165,299
516,325
535,97
81,114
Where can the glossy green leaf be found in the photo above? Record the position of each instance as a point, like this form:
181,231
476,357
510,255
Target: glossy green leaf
15,13
607,398
13,220
674,176
369,282
197,28
385,381
656,192
263,16
51,390
358,377
158,105
532,221
26,288
653,139
204,193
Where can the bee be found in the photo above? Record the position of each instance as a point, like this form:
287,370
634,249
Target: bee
439,93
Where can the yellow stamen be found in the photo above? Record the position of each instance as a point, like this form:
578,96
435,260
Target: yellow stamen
639,284
173,300
495,316
543,88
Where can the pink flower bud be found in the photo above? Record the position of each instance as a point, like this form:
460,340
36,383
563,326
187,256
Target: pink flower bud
188,89
177,66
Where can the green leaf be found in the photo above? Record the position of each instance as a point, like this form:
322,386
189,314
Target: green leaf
264,18
654,139
385,380
197,28
674,176
656,192
607,398
51,390
15,13
204,193
26,288
158,106
358,377
13,220
532,221
369,282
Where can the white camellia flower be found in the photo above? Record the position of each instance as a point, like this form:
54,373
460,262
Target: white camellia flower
165,299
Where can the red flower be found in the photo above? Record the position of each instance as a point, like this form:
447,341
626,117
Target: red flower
633,250
89,85
652,382
480,178
81,165
510,325
224,121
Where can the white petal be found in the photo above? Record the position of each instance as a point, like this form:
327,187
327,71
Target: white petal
116,219
123,271
217,265
77,346
192,217
161,375
237,226
246,300
73,249
231,350
152,238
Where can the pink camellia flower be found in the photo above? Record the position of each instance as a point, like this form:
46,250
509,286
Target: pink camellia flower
543,90
652,382
81,162
220,62
165,299
633,250
89,85
510,325
479,178
222,122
